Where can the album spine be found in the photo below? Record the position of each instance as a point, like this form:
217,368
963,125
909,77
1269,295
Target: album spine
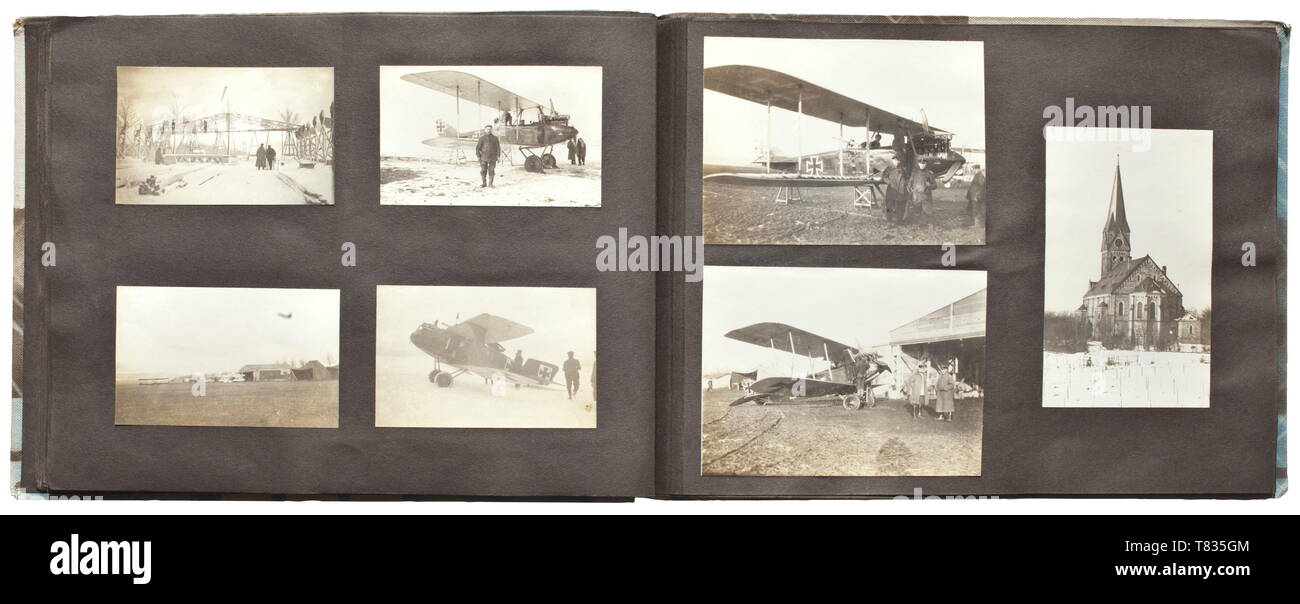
1281,481
670,288
32,195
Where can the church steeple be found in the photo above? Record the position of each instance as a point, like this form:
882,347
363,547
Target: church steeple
1116,248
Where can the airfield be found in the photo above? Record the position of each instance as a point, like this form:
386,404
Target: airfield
821,438
404,397
239,183
747,215
427,181
1126,378
290,404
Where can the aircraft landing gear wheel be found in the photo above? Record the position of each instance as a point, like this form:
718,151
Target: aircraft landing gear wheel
852,402
443,380
433,375
548,161
533,164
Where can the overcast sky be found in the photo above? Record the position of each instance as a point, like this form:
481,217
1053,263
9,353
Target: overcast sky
175,331
408,112
946,79
853,306
1167,194
256,91
562,318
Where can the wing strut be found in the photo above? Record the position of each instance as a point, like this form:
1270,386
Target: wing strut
769,133
841,170
800,129
829,365
793,355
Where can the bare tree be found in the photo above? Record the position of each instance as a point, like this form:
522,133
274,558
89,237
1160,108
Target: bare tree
126,119
289,115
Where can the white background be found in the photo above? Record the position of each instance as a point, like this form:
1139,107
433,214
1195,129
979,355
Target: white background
1168,192
1239,9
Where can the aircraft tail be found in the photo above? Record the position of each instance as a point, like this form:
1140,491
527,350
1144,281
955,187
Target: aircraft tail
446,130
953,168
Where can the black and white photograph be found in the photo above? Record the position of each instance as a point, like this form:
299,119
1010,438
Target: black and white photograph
858,142
485,357
1127,278
885,378
225,356
225,135
498,135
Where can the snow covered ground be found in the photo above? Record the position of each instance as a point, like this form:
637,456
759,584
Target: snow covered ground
404,397
422,181
239,183
1126,378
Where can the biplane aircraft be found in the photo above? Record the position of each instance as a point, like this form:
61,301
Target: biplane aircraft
848,165
851,376
547,128
474,346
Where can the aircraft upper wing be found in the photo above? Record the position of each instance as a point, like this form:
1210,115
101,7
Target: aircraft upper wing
779,336
758,85
490,329
471,88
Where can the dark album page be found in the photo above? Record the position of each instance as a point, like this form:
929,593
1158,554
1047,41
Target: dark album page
947,258
339,254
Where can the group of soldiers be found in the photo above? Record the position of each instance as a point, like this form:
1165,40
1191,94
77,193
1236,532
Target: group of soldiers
265,157
932,387
488,151
577,151
909,193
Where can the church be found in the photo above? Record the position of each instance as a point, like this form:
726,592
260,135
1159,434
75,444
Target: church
1134,304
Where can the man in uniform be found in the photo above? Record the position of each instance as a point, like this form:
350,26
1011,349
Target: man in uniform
947,390
895,190
975,196
571,368
923,182
488,149
916,387
582,152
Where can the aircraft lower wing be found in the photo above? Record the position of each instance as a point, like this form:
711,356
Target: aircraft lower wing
783,388
514,378
789,180
445,142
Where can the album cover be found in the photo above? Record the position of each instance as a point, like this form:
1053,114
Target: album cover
603,256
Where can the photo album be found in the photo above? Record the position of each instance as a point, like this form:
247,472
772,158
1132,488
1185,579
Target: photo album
813,257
